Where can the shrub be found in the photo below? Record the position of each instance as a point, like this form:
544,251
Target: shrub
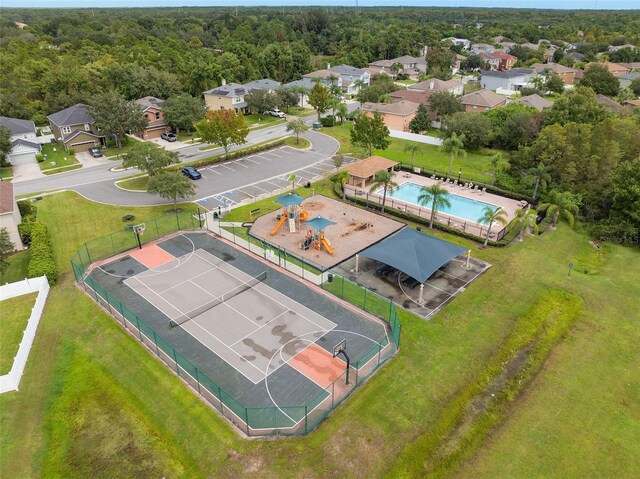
39,157
231,156
27,210
111,143
41,260
71,151
615,232
328,121
25,232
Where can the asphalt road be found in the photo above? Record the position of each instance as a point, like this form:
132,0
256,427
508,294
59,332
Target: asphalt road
97,183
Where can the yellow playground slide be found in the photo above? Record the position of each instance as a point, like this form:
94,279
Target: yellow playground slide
304,216
278,225
327,246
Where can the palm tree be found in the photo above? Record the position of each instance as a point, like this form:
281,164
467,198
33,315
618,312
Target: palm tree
292,179
454,145
437,196
383,178
414,149
342,111
301,91
395,69
540,177
359,84
490,216
384,98
565,205
342,177
498,164
527,219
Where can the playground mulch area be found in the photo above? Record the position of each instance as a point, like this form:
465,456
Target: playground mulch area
355,230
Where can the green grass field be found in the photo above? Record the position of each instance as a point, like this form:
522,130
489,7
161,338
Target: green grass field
15,315
56,157
474,166
257,122
113,153
291,141
137,183
93,402
6,172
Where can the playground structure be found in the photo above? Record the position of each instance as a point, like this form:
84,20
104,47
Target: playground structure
315,236
293,212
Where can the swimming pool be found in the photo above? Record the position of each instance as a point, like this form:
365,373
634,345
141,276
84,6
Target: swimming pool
461,207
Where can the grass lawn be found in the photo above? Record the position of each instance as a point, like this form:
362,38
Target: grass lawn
113,153
406,82
55,157
137,183
62,169
291,141
6,172
187,137
17,269
299,111
94,403
256,122
15,315
474,166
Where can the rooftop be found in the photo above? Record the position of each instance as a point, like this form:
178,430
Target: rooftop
554,67
411,96
434,84
263,84
483,98
17,126
230,89
401,107
150,102
347,70
534,101
369,166
6,197
74,115
513,73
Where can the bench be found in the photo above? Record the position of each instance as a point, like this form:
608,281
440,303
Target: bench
126,218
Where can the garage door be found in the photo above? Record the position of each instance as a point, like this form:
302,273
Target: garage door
22,158
155,133
83,146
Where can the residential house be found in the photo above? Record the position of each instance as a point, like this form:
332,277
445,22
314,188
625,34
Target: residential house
611,105
506,46
505,61
479,48
457,63
156,124
418,97
434,84
625,80
413,67
482,100
533,101
633,66
326,76
305,85
491,60
24,146
567,74
396,116
508,81
621,47
616,69
632,103
466,44
231,95
10,214
75,128
352,78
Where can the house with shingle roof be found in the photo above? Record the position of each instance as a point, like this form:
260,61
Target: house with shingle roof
231,95
482,100
567,74
152,110
534,101
352,77
434,84
508,80
413,67
75,128
24,146
10,214
362,171
396,116
615,68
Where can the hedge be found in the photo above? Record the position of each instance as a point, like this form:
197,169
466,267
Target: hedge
232,155
41,260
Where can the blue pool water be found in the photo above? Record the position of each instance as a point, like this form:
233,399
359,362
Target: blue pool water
461,207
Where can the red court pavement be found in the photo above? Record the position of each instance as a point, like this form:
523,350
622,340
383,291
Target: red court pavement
318,365
151,256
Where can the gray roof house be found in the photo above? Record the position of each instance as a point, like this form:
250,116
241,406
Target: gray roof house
24,145
509,80
625,80
534,101
263,84
75,128
350,75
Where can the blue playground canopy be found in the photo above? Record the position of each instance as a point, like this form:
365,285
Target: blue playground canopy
414,253
290,199
319,223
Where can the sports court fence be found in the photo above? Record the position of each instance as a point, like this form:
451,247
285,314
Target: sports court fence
254,421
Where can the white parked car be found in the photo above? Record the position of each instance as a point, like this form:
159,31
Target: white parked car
277,113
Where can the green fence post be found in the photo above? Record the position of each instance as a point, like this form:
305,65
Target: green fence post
342,293
175,358
138,326
155,341
88,255
198,380
113,247
390,309
305,418
365,299
246,419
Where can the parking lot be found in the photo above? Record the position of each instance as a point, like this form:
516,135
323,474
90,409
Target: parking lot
244,179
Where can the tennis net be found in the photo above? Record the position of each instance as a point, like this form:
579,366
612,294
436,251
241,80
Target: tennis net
225,297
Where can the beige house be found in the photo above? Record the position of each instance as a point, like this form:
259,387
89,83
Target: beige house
10,214
156,124
616,69
482,100
75,128
568,75
396,116
362,172
455,87
230,96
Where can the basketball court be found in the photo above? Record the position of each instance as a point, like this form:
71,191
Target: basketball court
264,337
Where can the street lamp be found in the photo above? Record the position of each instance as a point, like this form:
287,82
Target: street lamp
459,173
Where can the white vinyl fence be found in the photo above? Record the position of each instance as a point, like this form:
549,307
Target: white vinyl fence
11,380
405,135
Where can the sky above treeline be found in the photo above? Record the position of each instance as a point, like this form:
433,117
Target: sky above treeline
550,4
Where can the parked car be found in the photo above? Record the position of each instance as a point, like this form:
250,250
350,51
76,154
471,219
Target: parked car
277,113
95,152
191,172
169,137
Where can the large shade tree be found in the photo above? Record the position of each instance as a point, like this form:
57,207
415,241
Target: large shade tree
115,116
224,128
171,185
183,111
149,158
370,133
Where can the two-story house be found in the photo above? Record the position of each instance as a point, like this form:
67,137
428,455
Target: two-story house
231,95
507,81
567,74
396,116
413,67
24,146
75,128
352,78
482,100
156,124
434,84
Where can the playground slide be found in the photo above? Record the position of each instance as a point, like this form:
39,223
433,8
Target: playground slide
304,216
327,246
278,225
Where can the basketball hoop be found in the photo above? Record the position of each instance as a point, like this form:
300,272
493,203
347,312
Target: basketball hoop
139,231
340,348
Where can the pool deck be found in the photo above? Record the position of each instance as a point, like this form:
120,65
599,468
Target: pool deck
401,177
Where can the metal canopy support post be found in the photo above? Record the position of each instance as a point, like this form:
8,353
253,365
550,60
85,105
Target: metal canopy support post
357,263
468,258
421,296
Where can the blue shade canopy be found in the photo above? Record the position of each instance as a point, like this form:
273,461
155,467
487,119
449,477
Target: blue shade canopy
290,199
319,223
414,253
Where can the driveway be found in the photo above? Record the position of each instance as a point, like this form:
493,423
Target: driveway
26,172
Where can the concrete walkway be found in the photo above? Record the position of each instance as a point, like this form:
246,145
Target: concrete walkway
26,172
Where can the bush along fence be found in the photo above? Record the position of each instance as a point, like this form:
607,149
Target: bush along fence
232,155
254,421
41,261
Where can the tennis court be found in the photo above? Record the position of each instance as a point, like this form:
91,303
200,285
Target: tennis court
262,336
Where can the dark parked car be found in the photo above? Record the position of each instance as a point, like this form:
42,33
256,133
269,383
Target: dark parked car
95,152
169,136
191,172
